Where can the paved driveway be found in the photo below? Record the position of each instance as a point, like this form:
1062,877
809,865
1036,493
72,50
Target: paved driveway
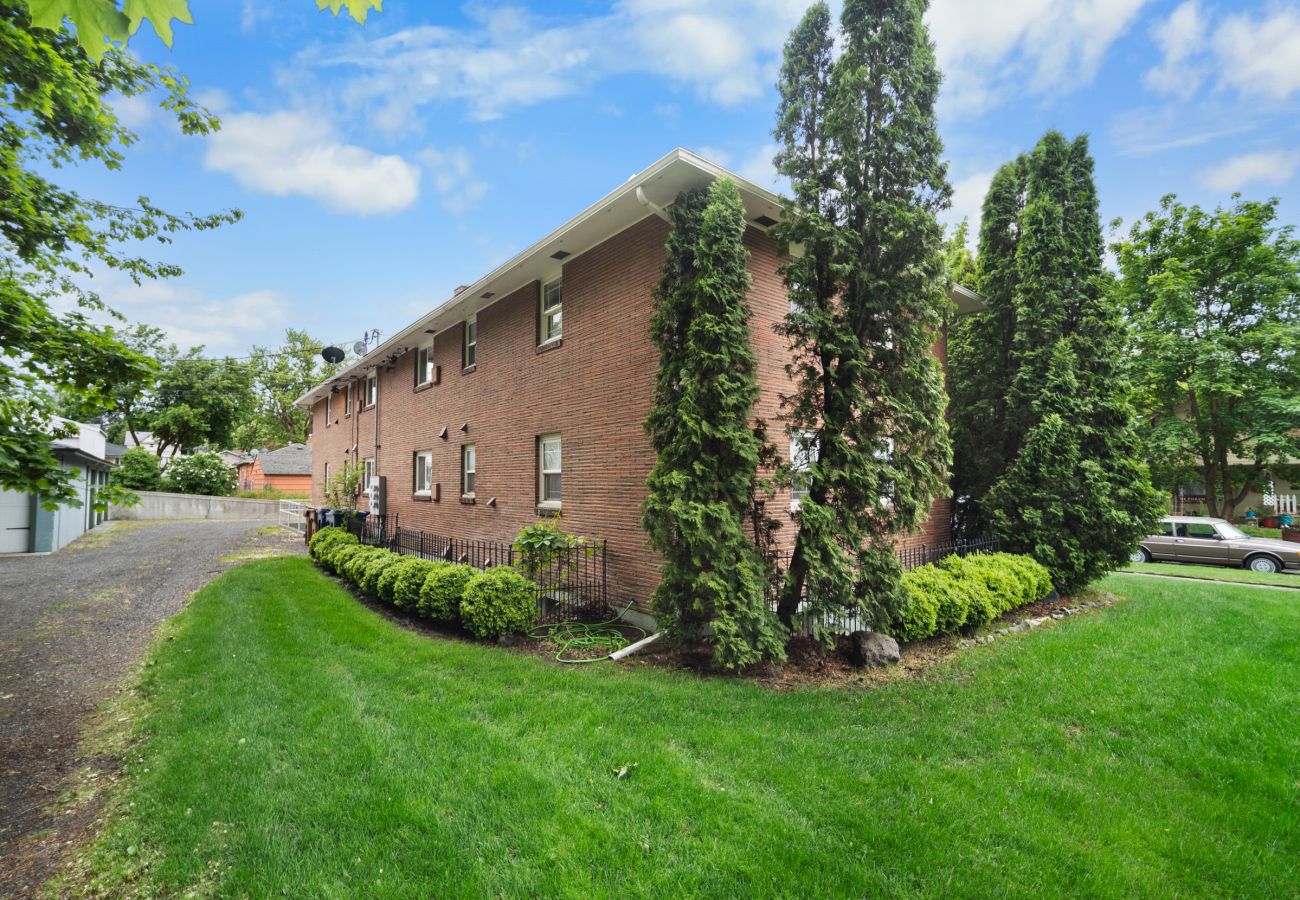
71,625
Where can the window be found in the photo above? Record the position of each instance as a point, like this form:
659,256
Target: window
469,353
551,326
424,366
468,467
1166,529
347,400
328,403
1198,530
548,463
422,478
372,388
803,452
368,480
327,476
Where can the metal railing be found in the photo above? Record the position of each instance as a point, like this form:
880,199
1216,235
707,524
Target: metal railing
572,584
293,515
847,621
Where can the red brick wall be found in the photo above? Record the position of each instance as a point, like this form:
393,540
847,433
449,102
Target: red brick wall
595,390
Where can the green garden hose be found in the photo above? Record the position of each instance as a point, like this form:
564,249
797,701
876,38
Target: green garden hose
600,638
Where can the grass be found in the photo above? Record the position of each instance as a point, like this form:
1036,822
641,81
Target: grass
273,494
295,742
1216,573
1257,531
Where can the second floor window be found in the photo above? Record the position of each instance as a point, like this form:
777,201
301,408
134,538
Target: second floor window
424,366
347,400
422,477
551,327
468,469
329,401
372,388
469,353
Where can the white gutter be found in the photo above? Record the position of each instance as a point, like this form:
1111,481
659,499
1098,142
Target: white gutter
651,205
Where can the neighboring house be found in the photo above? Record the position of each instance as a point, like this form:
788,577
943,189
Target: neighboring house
150,443
233,458
113,452
1188,498
27,527
525,394
287,469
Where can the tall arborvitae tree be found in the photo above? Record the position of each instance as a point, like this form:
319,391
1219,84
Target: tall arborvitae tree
1050,457
706,452
861,149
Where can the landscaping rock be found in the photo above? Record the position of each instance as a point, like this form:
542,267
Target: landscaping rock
870,648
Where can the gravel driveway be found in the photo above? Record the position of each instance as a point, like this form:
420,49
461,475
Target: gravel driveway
71,625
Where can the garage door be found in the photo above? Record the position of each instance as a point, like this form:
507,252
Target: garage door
15,522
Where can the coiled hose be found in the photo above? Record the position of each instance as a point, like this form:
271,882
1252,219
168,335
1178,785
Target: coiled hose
595,641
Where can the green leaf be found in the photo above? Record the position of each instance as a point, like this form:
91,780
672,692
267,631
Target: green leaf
159,13
358,9
96,21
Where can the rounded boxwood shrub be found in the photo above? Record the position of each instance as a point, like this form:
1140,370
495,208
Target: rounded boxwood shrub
374,567
440,596
410,579
498,601
1001,583
918,614
338,559
354,570
328,541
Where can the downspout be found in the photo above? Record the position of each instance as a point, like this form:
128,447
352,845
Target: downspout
651,205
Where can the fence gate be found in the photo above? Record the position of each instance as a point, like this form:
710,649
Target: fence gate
293,515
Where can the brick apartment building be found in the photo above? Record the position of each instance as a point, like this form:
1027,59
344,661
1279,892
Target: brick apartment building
524,394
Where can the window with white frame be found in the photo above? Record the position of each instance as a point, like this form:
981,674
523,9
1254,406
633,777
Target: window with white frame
469,350
372,388
803,453
368,470
551,327
327,476
328,403
549,469
347,399
468,469
422,476
423,366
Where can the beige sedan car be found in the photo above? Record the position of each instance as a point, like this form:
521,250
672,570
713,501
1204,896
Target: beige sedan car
1215,542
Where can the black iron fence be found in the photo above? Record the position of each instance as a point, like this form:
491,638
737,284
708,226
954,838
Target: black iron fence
848,621
571,583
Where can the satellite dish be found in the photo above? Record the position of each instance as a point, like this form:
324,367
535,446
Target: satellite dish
332,355
359,348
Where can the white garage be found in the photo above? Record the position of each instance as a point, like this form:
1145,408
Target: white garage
15,522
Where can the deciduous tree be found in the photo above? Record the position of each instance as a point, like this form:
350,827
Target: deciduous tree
1213,299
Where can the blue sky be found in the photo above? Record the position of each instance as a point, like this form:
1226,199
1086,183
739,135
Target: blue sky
380,166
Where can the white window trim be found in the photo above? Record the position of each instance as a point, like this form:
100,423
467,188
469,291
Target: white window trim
467,345
426,370
328,398
466,469
368,474
371,396
327,477
417,468
543,313
542,471
798,440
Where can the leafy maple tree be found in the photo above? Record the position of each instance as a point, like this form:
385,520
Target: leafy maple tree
102,24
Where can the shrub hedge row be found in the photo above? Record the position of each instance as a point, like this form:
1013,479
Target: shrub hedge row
489,604
966,591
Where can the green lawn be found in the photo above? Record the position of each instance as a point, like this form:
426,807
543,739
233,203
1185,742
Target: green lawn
296,743
1217,573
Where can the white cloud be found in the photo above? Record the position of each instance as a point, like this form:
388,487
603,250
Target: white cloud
968,203
190,317
1180,38
253,14
724,50
1271,167
1261,56
1149,130
135,112
1035,47
453,178
297,153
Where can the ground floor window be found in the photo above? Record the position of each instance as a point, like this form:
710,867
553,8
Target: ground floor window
423,474
803,451
549,469
468,469
369,473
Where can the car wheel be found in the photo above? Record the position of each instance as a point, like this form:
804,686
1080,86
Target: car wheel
1140,555
1265,564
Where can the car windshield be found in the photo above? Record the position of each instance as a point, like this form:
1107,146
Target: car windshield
1231,532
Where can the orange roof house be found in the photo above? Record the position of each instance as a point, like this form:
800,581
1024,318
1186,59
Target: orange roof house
287,469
